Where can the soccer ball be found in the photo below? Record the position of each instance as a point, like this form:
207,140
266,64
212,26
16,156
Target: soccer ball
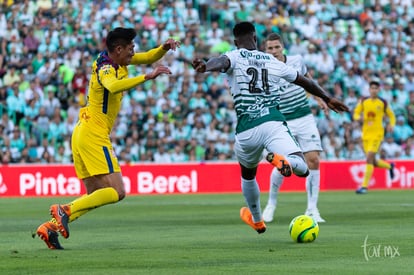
303,229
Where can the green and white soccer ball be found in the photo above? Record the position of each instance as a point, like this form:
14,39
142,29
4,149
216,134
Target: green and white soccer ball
303,229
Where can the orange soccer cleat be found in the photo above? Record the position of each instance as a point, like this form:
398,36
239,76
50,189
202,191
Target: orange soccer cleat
48,233
246,216
281,163
61,213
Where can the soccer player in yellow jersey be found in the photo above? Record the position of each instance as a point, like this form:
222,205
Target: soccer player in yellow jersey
371,112
94,158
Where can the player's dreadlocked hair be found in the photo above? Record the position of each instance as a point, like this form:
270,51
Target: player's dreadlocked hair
119,36
243,28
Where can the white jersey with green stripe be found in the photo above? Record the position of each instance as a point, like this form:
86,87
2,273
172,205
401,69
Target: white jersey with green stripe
294,100
256,81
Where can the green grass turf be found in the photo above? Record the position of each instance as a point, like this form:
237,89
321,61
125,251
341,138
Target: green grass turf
203,234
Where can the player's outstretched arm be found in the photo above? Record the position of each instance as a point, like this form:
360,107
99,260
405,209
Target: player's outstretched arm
219,64
313,87
155,54
114,85
159,70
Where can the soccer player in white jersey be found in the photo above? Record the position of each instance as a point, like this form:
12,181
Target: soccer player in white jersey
255,79
294,105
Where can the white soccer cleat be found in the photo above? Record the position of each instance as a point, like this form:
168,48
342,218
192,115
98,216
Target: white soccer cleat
269,212
314,213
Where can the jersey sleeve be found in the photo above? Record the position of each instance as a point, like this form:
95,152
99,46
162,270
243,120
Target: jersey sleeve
148,57
357,111
107,78
303,70
284,71
232,58
390,115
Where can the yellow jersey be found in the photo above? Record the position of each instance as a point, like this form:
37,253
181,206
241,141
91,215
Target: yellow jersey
92,149
373,111
107,84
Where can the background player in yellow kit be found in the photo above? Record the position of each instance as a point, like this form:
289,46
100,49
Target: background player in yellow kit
94,158
371,112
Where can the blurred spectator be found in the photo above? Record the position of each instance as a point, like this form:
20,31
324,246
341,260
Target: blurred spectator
402,131
331,144
325,62
61,155
161,155
407,154
353,151
45,146
178,154
46,157
50,102
223,147
199,133
351,99
190,14
211,152
48,74
6,157
38,62
390,148
374,35
195,151
57,128
15,58
7,123
214,34
182,131
212,132
17,144
11,76
15,103
31,42
32,150
31,110
41,124
34,91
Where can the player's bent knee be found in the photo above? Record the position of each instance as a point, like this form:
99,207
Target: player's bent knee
304,175
121,195
313,164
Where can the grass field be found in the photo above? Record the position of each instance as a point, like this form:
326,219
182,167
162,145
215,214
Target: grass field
203,234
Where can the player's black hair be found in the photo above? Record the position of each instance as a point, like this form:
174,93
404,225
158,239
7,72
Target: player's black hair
119,36
243,28
374,82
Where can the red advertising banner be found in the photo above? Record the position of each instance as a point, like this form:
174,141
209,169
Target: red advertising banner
61,180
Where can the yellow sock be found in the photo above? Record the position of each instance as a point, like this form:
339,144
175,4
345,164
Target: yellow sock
369,169
383,164
74,216
77,214
96,199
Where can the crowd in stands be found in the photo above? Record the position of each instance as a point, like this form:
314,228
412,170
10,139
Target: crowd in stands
47,48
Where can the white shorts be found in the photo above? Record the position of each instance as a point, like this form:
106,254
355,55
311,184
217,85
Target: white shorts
306,132
274,136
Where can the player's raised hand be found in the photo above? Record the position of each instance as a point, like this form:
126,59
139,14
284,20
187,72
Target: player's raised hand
199,65
337,106
157,71
171,44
